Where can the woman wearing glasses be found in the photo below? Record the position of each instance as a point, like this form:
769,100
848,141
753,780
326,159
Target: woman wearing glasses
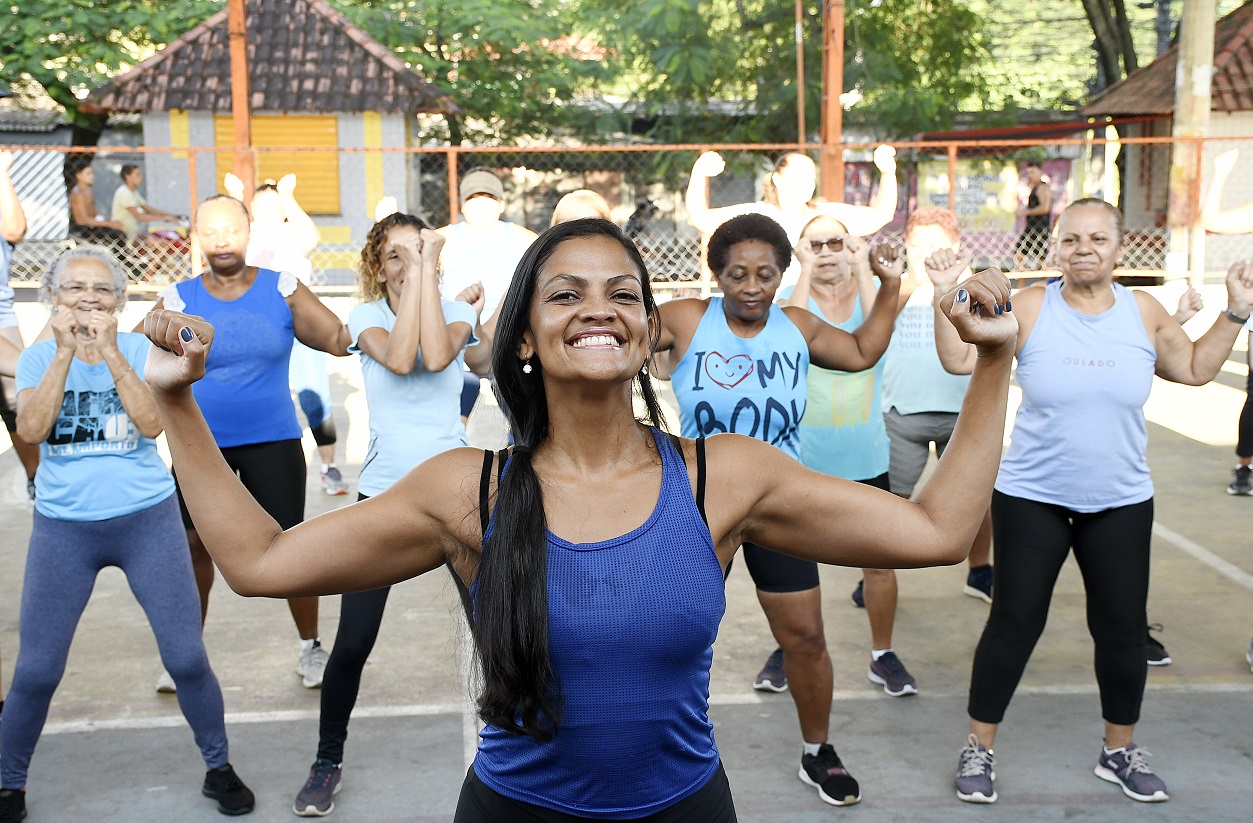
105,498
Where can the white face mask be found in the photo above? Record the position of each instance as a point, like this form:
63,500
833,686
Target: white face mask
482,211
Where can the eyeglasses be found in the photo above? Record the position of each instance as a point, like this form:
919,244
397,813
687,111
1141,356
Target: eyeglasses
833,243
79,289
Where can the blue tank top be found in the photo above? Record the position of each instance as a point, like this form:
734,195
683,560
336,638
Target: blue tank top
1080,436
746,385
631,626
842,432
244,394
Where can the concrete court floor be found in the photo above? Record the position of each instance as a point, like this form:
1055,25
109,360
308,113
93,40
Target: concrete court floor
115,751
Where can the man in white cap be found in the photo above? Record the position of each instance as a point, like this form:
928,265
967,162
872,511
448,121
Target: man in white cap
482,248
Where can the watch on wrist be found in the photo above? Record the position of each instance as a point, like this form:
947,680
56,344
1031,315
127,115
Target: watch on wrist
1235,318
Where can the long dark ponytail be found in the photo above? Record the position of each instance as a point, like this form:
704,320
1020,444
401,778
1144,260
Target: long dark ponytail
520,692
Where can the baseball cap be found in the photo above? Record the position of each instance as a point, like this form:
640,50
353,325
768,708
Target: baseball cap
481,181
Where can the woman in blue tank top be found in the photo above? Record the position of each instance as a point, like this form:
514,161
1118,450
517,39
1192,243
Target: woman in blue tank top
593,632
740,363
1075,477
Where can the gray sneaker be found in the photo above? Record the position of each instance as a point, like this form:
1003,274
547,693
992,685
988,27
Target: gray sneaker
316,798
890,673
1128,769
976,773
772,677
312,665
1241,481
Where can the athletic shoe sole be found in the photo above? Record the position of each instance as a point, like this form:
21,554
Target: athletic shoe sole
826,798
978,594
905,691
767,686
1161,661
334,492
312,811
1107,775
979,797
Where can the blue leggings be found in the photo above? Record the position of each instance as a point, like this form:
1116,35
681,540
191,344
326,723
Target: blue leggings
150,547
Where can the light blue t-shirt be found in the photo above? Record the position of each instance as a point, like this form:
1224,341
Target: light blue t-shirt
412,416
94,464
746,385
913,379
842,432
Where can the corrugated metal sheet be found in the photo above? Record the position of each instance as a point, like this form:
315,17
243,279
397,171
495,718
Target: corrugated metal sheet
40,187
1151,90
303,57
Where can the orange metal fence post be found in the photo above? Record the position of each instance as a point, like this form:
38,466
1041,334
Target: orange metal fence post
454,197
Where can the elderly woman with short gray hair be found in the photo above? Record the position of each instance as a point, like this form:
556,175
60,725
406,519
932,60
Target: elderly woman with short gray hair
105,498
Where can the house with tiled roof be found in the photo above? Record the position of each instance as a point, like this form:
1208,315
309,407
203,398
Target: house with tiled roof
316,81
1147,98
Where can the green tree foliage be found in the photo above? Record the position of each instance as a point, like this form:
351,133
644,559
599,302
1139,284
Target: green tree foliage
69,47
726,69
512,65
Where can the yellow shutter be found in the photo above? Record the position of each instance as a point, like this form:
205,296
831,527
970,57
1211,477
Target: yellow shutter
317,172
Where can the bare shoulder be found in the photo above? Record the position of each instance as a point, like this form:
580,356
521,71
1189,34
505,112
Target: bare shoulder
1152,312
804,319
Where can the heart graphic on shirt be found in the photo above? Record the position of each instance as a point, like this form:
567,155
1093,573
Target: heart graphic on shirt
728,372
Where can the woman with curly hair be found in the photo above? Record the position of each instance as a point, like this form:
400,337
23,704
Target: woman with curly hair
411,345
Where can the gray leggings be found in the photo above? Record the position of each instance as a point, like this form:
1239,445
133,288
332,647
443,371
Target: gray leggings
150,547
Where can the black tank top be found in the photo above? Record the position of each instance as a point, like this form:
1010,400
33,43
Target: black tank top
1036,222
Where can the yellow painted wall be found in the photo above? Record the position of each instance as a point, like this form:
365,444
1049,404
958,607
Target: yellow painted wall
317,172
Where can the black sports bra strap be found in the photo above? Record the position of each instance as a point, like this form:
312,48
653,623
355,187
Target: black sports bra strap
700,479
484,480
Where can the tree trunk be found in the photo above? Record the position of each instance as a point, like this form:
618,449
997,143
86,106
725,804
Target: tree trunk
1128,47
1108,45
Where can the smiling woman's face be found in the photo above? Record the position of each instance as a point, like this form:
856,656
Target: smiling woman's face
1088,245
587,318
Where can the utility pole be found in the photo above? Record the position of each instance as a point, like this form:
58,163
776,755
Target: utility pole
831,161
801,130
1193,83
237,26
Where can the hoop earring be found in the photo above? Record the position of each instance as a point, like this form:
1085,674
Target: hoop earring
526,367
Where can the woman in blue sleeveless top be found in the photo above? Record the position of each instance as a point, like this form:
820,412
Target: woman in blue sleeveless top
259,314
1075,477
740,363
597,574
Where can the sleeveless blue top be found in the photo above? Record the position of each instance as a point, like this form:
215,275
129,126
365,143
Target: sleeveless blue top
746,385
842,432
631,626
1080,436
244,394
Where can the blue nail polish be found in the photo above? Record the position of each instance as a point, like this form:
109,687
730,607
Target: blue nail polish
186,333
997,308
961,296
1009,305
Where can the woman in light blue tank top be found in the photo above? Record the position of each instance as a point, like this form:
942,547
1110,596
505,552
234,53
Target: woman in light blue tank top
1075,477
741,363
563,599
842,432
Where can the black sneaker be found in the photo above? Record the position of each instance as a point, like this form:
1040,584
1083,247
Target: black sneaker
1157,654
12,806
859,595
1241,481
979,583
224,786
772,677
827,774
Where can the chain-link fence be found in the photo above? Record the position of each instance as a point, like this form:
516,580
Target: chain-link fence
645,188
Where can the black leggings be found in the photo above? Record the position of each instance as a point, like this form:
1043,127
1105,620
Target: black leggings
274,474
1032,541
480,804
360,615
1244,445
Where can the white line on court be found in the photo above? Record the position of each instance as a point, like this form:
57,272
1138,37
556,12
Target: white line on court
1203,554
440,709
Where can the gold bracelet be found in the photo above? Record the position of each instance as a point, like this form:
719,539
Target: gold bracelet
118,379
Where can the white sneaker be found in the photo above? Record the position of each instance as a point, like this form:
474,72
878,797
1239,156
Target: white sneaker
1249,655
165,684
312,665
